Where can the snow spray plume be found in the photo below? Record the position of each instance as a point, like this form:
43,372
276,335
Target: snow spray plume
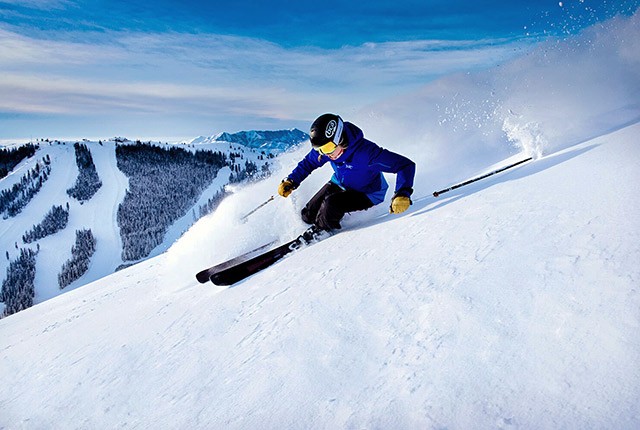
525,136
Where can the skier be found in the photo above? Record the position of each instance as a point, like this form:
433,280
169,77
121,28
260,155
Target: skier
357,182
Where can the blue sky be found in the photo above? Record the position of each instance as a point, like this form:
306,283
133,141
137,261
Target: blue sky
177,69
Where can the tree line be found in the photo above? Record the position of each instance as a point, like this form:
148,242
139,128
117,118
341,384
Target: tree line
14,199
18,289
88,182
55,220
81,254
11,157
164,183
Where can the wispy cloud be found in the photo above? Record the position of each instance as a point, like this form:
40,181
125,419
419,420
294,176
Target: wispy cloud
219,77
46,5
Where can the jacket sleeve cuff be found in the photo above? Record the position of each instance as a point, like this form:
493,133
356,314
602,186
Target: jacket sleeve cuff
293,183
406,192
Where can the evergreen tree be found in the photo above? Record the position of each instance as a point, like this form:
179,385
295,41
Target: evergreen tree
55,220
9,158
18,288
14,199
163,185
88,181
81,254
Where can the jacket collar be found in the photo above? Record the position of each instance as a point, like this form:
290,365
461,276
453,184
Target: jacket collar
355,136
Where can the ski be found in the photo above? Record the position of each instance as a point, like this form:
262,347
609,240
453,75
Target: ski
204,275
233,273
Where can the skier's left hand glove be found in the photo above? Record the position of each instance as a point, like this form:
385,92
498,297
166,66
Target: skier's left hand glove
399,204
286,187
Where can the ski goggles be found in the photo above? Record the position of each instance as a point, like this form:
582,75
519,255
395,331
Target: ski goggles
327,149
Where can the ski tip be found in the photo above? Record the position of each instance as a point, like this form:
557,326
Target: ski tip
217,280
202,277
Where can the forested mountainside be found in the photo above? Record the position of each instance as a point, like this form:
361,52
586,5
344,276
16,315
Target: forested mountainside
77,211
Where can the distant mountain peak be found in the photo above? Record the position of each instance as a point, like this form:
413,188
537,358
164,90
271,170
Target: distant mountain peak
267,140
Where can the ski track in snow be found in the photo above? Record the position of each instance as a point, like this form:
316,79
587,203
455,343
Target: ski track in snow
104,210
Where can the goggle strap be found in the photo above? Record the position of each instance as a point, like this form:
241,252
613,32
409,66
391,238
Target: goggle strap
338,135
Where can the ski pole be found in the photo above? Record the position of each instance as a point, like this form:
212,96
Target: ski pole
462,184
261,205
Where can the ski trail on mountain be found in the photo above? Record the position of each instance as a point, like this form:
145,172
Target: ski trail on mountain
103,208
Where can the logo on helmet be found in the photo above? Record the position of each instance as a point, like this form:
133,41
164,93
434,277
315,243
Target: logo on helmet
331,129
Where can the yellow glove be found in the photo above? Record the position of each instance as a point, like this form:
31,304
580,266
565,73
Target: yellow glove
399,204
286,187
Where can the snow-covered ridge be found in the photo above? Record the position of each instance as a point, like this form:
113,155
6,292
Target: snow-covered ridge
272,141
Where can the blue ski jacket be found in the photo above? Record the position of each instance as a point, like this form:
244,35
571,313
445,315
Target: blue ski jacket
360,167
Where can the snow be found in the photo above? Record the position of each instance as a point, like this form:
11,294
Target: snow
509,303
98,214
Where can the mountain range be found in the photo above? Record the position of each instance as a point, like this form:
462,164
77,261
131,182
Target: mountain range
274,141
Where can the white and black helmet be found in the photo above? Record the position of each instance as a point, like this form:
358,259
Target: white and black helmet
327,128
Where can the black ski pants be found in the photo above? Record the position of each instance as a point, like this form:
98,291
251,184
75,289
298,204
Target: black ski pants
329,205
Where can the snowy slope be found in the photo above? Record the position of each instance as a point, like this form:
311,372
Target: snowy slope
98,214
512,303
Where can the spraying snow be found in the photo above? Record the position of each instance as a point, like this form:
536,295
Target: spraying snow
527,138
561,93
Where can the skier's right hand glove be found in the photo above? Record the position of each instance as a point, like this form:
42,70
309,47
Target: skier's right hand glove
286,187
399,204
